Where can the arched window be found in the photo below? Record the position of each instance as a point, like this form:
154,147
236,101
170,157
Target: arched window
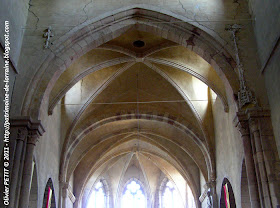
49,195
98,196
133,196
170,196
227,195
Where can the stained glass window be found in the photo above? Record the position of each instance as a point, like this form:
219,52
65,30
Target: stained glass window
133,196
98,197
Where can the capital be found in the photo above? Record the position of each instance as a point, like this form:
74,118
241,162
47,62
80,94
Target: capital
243,128
27,127
21,133
32,137
241,122
253,122
64,188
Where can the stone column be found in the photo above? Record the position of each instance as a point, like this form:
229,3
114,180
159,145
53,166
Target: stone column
210,194
266,156
20,140
243,127
64,187
213,193
67,196
28,132
27,169
20,175
260,164
255,124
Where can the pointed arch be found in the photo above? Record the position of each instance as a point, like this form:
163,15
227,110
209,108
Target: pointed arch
101,186
186,174
49,191
90,35
226,190
188,131
133,187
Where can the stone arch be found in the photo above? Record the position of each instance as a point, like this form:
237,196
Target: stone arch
129,62
88,71
161,189
53,202
33,199
185,173
231,195
245,196
124,185
95,32
169,121
106,189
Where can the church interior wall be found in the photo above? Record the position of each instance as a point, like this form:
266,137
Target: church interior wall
28,55
229,150
48,152
272,75
267,33
16,12
12,77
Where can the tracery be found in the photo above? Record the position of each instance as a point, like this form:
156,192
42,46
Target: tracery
98,196
133,196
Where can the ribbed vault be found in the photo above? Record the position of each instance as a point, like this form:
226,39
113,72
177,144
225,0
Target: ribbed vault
158,97
145,108
85,39
146,162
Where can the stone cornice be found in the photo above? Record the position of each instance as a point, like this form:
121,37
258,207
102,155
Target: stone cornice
28,123
251,113
247,119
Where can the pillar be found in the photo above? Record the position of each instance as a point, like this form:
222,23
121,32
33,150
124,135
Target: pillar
243,128
15,173
28,132
63,187
260,164
213,193
27,170
261,155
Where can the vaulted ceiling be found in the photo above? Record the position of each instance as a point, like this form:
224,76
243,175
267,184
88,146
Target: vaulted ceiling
137,95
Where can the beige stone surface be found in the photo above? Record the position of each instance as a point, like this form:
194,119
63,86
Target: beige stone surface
113,111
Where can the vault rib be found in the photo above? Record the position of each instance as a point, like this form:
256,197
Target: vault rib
88,71
193,73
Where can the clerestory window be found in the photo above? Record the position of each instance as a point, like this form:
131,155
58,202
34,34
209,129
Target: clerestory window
133,196
170,197
98,196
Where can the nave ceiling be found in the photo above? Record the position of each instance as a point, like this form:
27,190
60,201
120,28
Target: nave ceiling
159,95
145,90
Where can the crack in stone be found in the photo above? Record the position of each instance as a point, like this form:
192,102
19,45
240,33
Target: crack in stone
29,9
238,6
226,42
218,34
182,6
84,9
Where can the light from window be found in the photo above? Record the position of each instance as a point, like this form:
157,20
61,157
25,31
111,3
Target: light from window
133,196
98,198
170,197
